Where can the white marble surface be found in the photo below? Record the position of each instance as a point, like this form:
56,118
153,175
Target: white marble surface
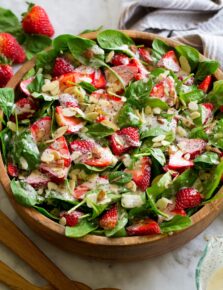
173,271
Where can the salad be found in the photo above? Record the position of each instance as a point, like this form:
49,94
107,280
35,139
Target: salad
113,138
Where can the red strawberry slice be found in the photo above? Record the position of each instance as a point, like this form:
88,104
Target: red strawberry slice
207,112
36,21
141,174
109,219
12,170
193,147
205,84
143,228
100,94
120,59
188,198
158,90
144,54
6,73
169,61
62,66
41,129
80,190
25,108
24,84
67,100
11,49
99,81
90,153
178,212
60,145
55,172
37,179
126,72
74,124
72,218
124,139
178,162
142,72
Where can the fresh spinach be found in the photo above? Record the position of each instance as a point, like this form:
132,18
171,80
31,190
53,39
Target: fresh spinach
127,117
46,213
160,186
60,43
24,193
198,132
190,53
87,87
159,48
115,40
36,84
157,154
216,137
10,23
5,137
207,159
205,68
98,130
216,94
24,147
35,43
156,103
138,92
45,60
7,101
177,223
212,183
122,222
190,95
119,177
83,228
153,208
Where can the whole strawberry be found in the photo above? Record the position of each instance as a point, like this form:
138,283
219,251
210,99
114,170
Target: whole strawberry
188,198
109,219
62,66
5,74
71,219
11,49
36,21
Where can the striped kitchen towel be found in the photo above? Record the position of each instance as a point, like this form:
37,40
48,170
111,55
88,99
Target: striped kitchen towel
198,23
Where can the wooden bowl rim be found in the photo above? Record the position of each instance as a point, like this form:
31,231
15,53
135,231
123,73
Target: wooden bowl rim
52,226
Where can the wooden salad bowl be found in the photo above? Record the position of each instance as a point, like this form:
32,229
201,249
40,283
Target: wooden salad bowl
116,249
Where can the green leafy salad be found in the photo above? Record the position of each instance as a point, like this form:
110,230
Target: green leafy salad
114,138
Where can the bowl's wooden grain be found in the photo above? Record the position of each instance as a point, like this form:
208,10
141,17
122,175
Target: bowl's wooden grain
117,249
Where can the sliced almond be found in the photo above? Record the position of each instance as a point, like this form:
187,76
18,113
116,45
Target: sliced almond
12,126
60,132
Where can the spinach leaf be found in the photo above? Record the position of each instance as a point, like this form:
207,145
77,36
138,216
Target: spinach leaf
7,101
205,68
153,208
190,53
157,71
45,60
44,96
198,132
186,179
54,197
160,48
216,95
207,159
138,92
60,43
5,137
158,155
122,222
119,177
91,30
127,117
86,51
24,193
191,94
25,151
216,137
9,22
115,40
91,201
87,87
160,186
212,183
43,211
36,84
83,228
157,103
35,43
176,224
98,130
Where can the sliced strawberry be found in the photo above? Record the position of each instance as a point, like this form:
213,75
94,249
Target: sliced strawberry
188,198
207,112
109,219
124,139
80,190
193,147
169,61
126,72
74,124
205,84
24,84
72,218
99,81
60,145
55,172
144,54
37,179
67,100
141,174
178,212
101,94
41,129
158,90
142,73
91,153
120,59
143,228
12,170
25,108
178,162
62,66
